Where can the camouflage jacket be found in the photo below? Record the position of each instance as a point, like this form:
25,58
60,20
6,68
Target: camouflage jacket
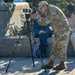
57,19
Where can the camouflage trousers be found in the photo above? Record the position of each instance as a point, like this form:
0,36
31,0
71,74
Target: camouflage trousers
59,48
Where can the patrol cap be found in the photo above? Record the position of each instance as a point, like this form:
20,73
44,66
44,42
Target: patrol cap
42,3
70,7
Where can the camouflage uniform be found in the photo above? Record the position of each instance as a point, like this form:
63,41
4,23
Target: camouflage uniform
61,29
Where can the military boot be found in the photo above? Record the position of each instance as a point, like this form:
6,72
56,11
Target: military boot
49,65
60,66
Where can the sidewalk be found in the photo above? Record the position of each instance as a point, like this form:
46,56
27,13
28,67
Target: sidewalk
23,66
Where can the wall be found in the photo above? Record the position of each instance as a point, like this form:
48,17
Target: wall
10,15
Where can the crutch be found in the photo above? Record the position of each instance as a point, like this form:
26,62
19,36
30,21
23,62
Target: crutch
40,54
42,61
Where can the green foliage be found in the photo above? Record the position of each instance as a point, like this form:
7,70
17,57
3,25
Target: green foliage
8,0
13,31
60,3
63,4
23,30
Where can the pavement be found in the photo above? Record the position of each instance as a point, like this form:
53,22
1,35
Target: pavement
24,66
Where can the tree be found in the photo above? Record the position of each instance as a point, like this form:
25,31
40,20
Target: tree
8,0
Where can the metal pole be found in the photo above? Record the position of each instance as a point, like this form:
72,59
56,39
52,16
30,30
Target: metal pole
18,42
42,61
30,40
13,53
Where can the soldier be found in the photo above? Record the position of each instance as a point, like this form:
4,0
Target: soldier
60,25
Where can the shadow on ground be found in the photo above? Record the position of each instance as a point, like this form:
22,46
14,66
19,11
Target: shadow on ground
23,66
